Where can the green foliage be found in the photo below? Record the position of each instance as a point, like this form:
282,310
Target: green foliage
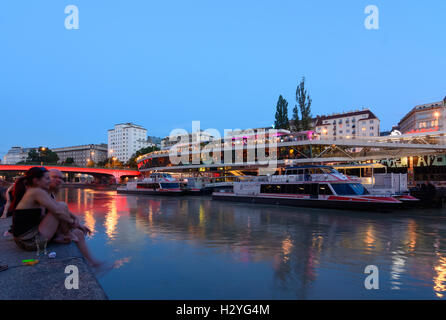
304,101
132,161
69,161
296,119
281,121
90,164
103,163
111,163
42,155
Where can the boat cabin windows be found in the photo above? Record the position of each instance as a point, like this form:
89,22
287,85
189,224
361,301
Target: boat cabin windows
158,175
324,189
307,188
310,170
152,186
173,185
349,189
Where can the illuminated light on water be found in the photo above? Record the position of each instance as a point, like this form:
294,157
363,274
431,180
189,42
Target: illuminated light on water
398,264
150,217
90,221
317,242
369,238
202,216
412,241
79,197
111,221
287,246
440,277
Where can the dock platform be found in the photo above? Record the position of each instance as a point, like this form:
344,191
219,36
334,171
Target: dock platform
46,279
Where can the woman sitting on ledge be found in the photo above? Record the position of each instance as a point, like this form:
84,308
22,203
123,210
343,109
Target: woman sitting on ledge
31,227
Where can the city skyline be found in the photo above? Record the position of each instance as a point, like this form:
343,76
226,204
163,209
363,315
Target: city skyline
164,66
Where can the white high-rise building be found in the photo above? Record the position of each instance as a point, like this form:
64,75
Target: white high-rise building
125,139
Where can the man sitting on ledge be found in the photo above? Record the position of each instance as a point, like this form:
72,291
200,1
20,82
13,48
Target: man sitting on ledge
38,218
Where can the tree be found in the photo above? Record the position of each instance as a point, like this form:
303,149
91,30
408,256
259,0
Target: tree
90,163
304,101
132,161
295,119
113,162
69,160
42,155
282,121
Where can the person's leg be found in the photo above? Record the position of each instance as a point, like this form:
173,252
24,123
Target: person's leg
79,238
48,226
63,234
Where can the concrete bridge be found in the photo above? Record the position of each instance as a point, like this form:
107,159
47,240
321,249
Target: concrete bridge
116,173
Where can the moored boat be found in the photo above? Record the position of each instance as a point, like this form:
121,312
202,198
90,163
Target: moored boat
156,184
309,186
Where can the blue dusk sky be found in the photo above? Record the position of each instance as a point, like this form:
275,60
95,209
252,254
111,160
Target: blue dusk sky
163,64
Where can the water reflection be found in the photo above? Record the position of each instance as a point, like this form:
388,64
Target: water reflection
261,251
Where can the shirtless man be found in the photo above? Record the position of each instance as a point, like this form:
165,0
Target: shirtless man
63,232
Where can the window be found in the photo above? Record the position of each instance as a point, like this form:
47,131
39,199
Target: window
300,189
324,189
344,189
371,121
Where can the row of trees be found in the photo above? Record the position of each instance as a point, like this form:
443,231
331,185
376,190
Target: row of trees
42,155
303,106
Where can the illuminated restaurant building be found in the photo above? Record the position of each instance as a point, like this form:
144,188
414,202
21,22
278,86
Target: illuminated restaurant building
421,155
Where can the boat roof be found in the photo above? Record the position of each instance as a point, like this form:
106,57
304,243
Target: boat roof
356,166
309,166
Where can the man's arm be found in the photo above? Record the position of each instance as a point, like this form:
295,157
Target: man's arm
7,205
59,209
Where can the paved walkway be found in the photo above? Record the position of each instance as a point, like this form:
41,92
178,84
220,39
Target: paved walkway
46,279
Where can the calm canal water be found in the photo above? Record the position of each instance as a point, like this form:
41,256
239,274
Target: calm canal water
196,248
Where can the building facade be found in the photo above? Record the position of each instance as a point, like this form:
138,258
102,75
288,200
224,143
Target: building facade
16,155
349,125
125,139
168,142
83,155
427,117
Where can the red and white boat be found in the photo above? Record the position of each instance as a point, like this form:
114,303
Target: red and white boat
310,186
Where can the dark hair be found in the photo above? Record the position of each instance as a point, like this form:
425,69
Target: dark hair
26,181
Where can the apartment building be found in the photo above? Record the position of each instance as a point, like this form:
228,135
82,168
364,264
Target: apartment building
348,125
125,139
